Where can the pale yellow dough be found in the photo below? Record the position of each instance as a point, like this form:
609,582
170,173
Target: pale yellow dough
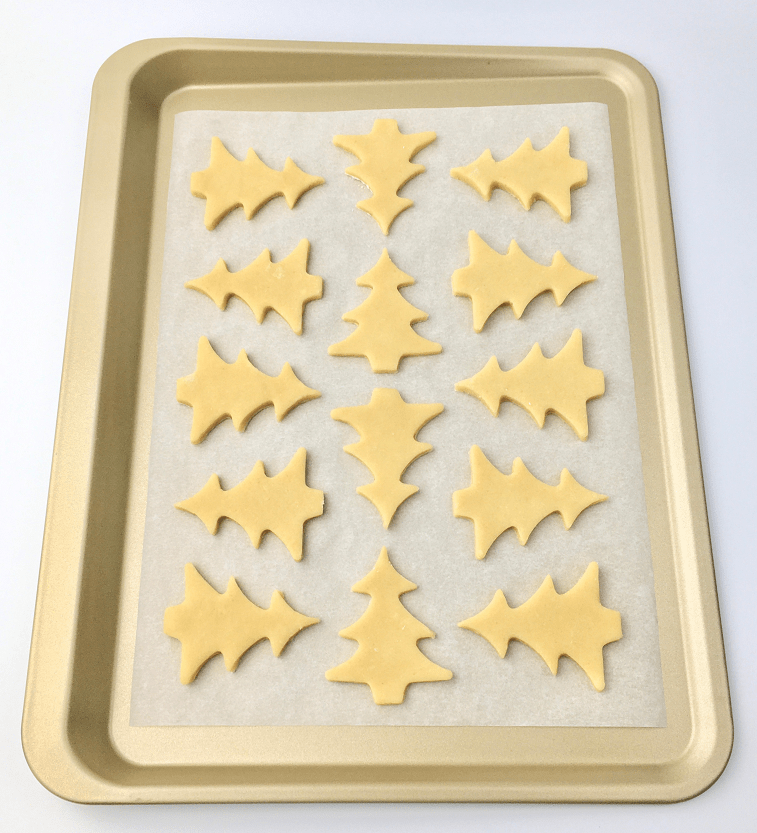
492,280
284,287
561,385
387,428
228,184
496,502
572,624
529,175
385,167
385,334
218,391
209,623
280,504
388,658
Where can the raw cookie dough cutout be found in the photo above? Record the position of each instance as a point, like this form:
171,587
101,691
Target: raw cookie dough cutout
385,167
388,658
385,333
209,623
561,385
228,184
492,280
280,504
387,427
496,502
529,175
217,391
572,624
284,287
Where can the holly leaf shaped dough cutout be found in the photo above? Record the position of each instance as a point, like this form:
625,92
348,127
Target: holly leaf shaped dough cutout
572,624
280,504
227,184
385,333
209,623
388,658
217,391
529,175
561,385
496,502
385,167
284,287
387,427
492,280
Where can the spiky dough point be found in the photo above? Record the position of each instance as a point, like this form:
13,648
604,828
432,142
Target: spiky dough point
280,504
217,391
529,175
496,502
385,167
561,385
388,658
492,280
572,624
209,623
284,287
385,333
227,184
387,427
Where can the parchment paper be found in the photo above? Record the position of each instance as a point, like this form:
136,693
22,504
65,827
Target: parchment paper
426,543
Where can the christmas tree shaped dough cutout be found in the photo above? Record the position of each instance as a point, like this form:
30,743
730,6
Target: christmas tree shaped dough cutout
387,427
492,280
496,502
228,184
385,167
572,624
384,333
209,623
280,504
561,385
529,175
217,391
388,658
284,287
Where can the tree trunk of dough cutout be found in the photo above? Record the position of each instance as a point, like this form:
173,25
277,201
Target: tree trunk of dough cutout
572,624
385,167
496,502
384,333
284,287
561,385
529,175
209,623
217,391
492,280
228,184
387,428
388,658
280,504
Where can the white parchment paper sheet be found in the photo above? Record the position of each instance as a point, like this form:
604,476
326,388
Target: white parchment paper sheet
426,543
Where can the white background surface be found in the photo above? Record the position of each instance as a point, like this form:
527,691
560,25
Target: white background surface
703,58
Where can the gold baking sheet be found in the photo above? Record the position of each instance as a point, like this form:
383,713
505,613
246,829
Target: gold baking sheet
76,731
